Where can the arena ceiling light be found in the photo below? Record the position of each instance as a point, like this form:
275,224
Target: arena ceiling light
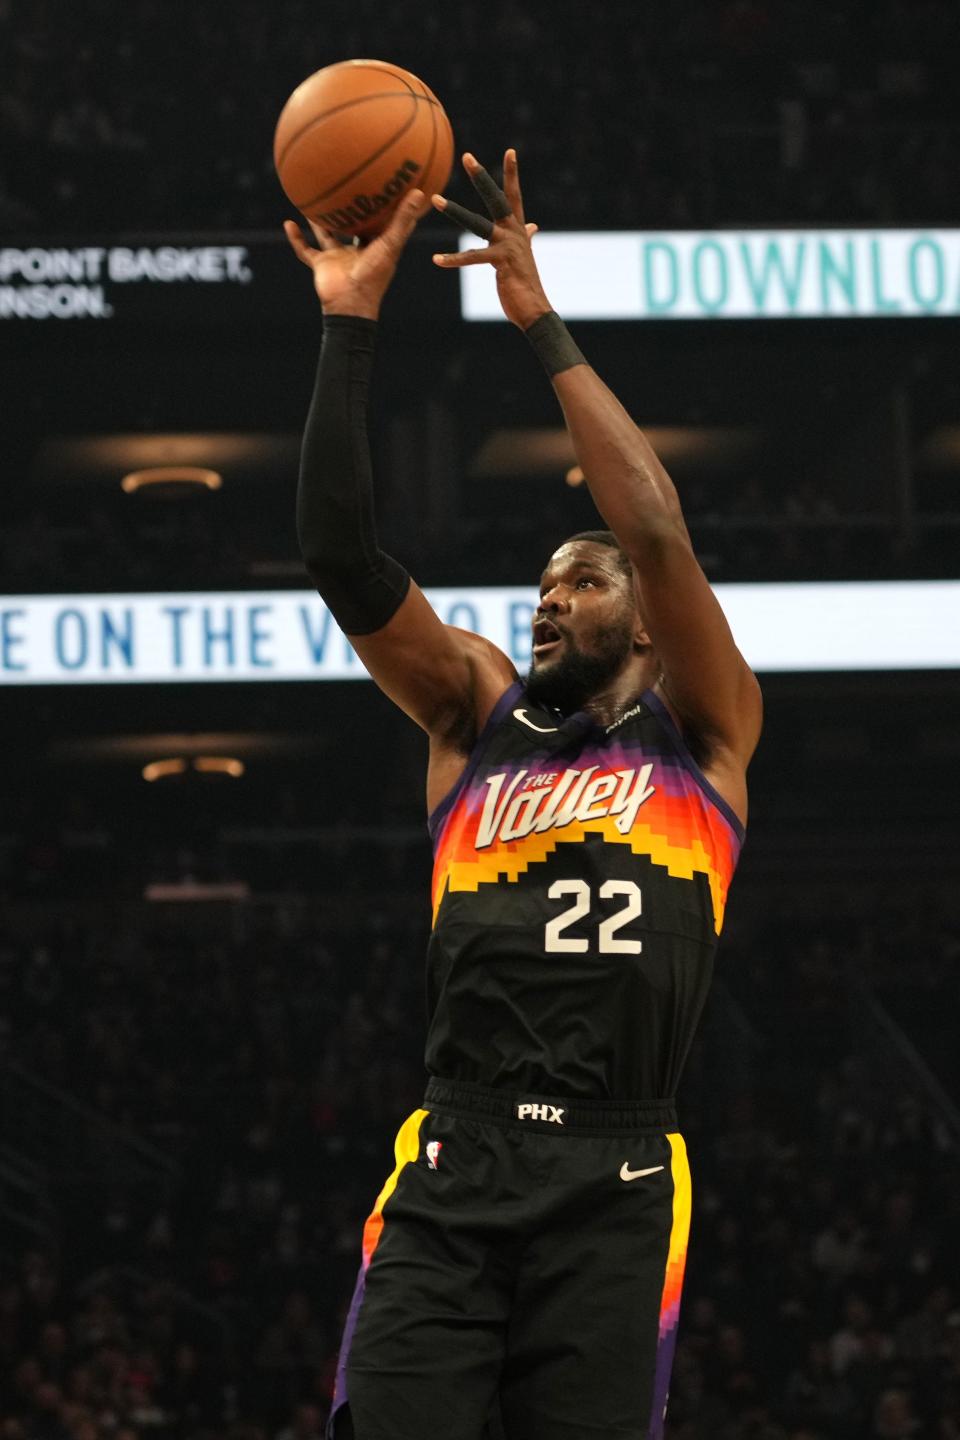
548,450
240,456
166,481
165,769
227,765
527,450
141,749
173,766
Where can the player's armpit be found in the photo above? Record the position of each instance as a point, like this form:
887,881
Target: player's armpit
706,679
440,676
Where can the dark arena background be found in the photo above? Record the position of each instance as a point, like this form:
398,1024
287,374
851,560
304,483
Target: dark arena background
211,998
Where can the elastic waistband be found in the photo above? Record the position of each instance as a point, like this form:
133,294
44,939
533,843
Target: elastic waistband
553,1113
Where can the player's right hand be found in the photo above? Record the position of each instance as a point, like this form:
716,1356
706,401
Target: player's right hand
353,279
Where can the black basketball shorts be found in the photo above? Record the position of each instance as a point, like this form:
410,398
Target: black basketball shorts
521,1269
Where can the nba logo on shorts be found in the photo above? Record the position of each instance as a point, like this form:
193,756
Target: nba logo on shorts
433,1150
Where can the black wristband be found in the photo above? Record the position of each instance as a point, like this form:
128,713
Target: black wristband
553,343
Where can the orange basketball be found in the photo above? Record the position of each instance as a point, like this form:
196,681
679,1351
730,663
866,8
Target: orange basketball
354,138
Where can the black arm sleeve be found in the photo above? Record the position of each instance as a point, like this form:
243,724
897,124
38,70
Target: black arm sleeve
362,587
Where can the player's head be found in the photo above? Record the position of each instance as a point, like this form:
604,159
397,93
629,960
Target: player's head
587,625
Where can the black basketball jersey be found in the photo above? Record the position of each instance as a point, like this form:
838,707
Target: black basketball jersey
579,884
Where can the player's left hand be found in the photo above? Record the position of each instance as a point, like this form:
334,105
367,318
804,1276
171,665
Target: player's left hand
508,234
351,279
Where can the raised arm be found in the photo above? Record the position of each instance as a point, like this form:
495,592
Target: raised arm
443,678
705,678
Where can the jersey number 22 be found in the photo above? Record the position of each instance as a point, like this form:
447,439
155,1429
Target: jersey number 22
555,944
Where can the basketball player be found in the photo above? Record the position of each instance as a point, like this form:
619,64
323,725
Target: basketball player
528,1248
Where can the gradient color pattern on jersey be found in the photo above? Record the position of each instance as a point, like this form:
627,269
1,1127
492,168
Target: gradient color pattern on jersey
580,881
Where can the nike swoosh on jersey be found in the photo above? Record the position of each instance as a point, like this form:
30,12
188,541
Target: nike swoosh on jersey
543,729
627,1174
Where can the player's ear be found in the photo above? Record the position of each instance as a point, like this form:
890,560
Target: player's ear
641,639
640,636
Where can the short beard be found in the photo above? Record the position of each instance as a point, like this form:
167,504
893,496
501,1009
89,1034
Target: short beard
576,677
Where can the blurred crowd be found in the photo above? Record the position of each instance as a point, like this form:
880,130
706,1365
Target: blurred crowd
268,1066
269,1051
744,532
160,113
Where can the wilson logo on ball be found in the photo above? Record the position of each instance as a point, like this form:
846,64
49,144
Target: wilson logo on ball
362,207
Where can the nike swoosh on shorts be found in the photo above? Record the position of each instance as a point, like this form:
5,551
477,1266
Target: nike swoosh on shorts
627,1174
